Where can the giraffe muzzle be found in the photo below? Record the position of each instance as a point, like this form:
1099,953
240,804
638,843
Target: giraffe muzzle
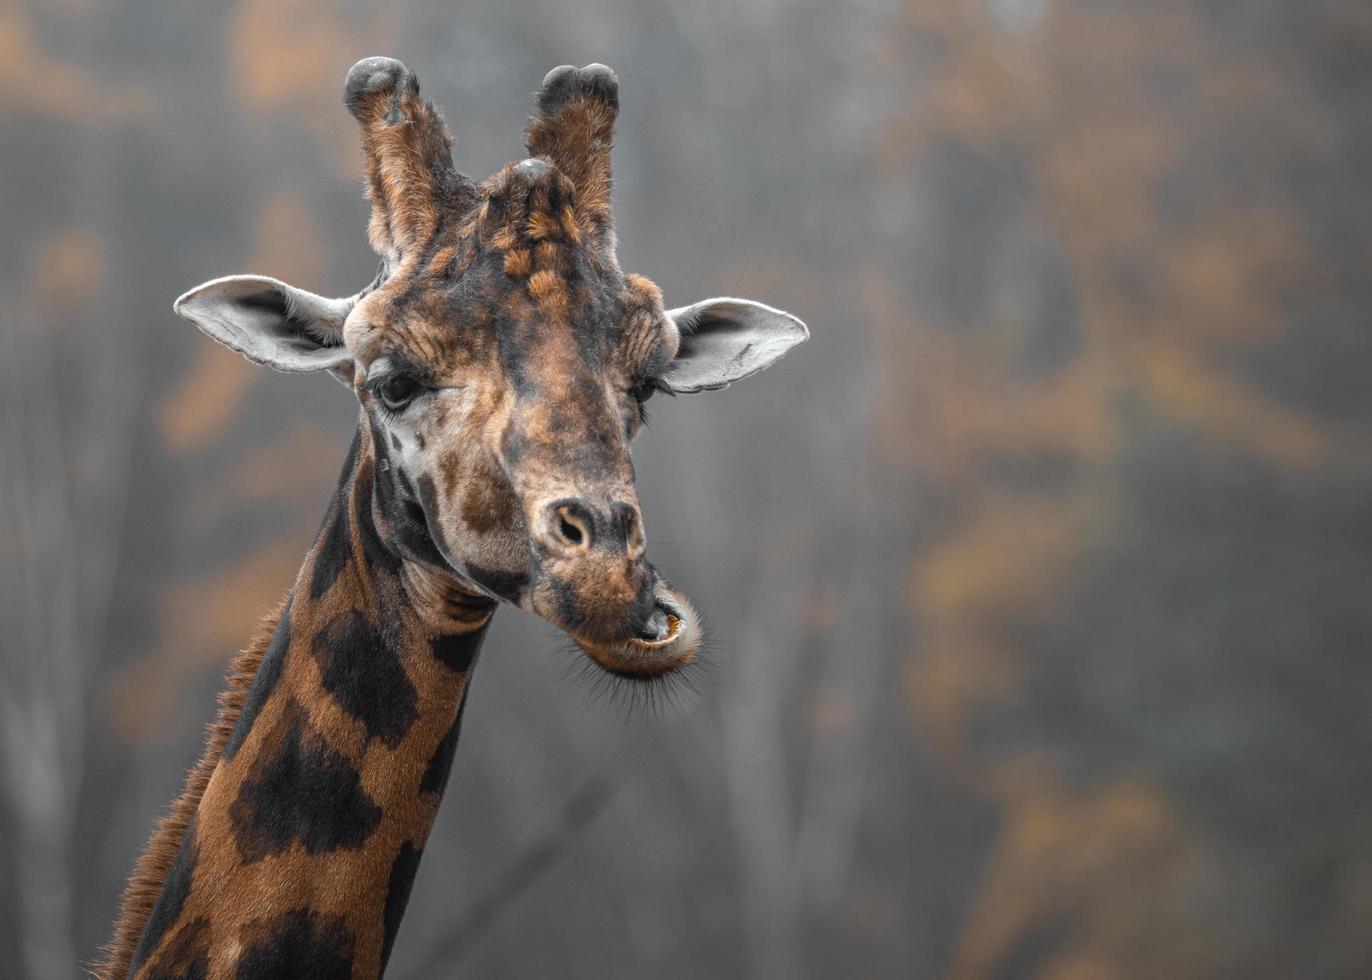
591,580
666,641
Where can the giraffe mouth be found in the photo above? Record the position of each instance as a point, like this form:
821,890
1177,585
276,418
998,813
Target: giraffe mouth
668,642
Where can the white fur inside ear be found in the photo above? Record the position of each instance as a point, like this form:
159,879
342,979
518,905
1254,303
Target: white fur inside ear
271,322
726,339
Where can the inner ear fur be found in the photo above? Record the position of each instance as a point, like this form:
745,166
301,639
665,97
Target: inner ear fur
727,339
271,322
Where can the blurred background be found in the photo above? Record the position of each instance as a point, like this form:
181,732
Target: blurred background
1038,580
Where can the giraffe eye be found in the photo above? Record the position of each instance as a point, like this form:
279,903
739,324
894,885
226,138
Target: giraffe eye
397,391
644,390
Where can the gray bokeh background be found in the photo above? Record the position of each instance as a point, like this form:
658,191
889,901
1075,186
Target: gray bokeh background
1037,581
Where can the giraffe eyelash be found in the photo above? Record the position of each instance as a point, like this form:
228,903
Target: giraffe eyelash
642,390
377,388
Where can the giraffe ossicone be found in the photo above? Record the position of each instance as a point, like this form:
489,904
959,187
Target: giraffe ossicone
500,360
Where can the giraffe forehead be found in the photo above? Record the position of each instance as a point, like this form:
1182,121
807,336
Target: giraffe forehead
486,315
506,294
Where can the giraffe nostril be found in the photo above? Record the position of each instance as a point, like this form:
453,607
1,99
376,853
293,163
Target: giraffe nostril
569,524
570,532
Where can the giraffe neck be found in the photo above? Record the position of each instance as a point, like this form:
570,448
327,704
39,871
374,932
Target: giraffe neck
299,857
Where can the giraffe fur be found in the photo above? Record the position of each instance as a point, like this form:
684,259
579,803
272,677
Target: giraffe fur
500,361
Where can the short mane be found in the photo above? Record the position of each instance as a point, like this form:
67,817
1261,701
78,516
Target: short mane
151,871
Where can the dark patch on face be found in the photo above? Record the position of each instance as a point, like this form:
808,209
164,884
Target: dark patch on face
302,793
428,501
362,671
176,888
263,682
378,556
350,462
511,348
397,498
597,315
437,241
578,433
299,944
413,532
335,548
490,501
187,957
441,762
505,585
457,652
403,484
398,894
568,602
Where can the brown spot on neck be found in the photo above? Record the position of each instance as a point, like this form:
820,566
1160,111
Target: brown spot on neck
419,607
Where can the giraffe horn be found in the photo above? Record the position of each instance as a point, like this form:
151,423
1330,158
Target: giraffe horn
573,127
409,169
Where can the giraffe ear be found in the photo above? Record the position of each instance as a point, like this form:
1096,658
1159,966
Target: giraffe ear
724,340
272,323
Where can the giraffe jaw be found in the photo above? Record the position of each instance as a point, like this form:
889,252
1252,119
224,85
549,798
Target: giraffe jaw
638,658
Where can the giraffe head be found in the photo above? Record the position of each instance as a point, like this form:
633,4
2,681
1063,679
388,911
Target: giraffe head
502,359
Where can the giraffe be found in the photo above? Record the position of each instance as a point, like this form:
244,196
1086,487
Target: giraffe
500,360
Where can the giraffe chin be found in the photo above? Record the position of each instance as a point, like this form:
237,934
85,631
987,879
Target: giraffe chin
643,659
